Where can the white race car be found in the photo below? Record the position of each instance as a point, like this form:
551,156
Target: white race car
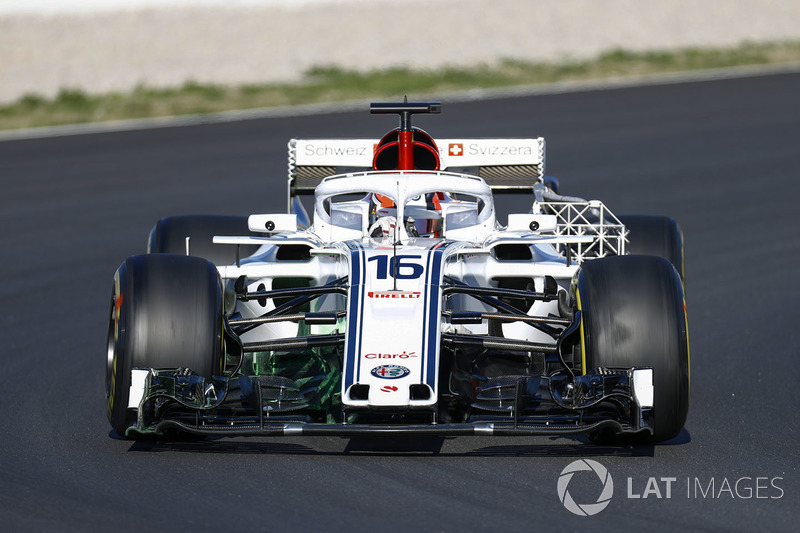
404,306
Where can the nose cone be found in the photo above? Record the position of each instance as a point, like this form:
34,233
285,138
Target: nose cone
390,393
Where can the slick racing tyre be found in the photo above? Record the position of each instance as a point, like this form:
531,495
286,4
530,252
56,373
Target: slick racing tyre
633,315
170,235
166,312
655,235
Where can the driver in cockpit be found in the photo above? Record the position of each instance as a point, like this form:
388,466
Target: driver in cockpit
427,223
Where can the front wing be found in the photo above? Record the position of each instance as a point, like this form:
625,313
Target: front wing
604,400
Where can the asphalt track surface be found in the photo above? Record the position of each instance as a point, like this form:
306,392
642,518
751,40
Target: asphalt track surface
721,157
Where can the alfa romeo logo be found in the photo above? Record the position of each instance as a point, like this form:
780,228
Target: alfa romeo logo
585,509
390,371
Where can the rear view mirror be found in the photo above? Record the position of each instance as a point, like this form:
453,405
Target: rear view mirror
278,223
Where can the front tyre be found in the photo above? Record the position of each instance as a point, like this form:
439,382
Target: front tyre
633,314
166,312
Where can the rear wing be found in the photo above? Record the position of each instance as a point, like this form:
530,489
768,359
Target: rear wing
507,165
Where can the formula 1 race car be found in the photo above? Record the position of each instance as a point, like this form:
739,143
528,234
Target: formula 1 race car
403,306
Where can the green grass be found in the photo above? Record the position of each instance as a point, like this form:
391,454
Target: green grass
328,84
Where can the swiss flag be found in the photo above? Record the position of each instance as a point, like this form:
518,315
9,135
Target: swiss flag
455,149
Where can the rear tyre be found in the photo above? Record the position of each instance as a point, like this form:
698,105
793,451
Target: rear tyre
166,312
169,236
633,315
655,235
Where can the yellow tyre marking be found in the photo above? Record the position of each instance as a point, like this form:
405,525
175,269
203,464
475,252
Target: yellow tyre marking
583,344
223,355
688,354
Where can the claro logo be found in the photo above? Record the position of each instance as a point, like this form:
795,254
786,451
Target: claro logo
403,355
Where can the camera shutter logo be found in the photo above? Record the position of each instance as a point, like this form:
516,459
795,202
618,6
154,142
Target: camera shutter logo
585,509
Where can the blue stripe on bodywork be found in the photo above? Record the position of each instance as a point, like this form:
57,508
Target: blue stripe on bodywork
362,299
426,315
433,322
353,305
